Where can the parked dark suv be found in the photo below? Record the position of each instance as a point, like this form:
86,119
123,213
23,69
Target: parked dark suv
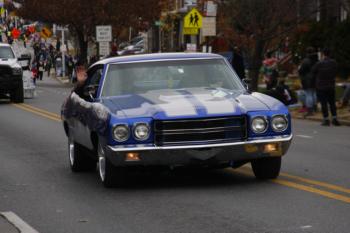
11,81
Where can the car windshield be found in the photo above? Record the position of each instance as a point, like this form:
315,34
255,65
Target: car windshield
6,53
140,77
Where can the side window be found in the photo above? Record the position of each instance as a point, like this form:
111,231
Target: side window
95,78
90,87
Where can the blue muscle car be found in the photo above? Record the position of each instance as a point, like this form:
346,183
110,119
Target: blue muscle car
172,109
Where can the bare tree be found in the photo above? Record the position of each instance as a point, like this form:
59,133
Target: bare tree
255,24
82,16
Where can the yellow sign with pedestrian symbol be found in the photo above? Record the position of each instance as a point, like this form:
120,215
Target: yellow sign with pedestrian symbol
193,19
190,31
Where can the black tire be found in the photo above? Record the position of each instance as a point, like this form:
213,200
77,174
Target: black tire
79,159
266,168
110,175
17,95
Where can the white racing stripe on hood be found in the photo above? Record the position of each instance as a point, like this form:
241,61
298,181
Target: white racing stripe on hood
214,101
172,103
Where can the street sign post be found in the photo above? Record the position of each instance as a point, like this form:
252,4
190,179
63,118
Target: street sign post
63,49
45,33
104,48
193,19
104,33
210,9
104,37
209,26
190,31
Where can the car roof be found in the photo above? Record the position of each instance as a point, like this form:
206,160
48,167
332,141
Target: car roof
157,56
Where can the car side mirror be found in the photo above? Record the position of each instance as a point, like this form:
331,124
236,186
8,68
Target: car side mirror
246,83
90,91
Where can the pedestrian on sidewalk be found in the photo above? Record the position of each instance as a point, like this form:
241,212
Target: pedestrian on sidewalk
325,72
270,71
41,69
34,72
308,80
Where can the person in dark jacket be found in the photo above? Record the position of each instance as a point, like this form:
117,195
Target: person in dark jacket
325,72
308,80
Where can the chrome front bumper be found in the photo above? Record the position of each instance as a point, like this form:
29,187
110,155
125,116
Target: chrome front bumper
211,153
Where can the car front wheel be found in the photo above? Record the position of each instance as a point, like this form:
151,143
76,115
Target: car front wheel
78,159
110,175
266,168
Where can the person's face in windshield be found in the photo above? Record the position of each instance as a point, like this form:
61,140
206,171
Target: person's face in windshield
6,53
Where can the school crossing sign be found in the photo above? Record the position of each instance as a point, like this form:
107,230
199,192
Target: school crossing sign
193,21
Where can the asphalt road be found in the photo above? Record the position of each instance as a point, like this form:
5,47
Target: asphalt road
311,195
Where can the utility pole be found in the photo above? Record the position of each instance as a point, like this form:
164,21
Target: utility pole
63,48
63,55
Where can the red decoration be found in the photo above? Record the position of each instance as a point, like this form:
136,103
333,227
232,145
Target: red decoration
31,29
15,33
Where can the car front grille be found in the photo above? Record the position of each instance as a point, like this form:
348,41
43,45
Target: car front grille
200,131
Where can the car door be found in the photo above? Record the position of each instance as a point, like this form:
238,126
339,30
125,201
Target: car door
82,133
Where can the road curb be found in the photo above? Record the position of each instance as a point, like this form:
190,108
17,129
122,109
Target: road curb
17,222
342,122
61,80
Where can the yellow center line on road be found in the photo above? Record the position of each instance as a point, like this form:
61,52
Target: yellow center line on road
246,170
312,190
41,110
307,181
318,183
40,113
302,187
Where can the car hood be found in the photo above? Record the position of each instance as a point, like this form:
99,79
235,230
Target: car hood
194,102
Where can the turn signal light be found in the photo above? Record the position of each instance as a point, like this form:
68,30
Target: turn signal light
271,147
132,157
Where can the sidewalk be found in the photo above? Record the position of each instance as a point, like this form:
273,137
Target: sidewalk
343,115
62,80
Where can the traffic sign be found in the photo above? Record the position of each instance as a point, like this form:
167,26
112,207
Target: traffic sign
45,33
104,48
209,26
104,33
62,28
190,31
193,19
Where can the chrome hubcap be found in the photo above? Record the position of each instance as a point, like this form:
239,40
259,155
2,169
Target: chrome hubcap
71,151
101,163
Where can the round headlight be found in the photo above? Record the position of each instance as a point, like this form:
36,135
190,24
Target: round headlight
259,125
141,131
279,123
17,71
121,133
